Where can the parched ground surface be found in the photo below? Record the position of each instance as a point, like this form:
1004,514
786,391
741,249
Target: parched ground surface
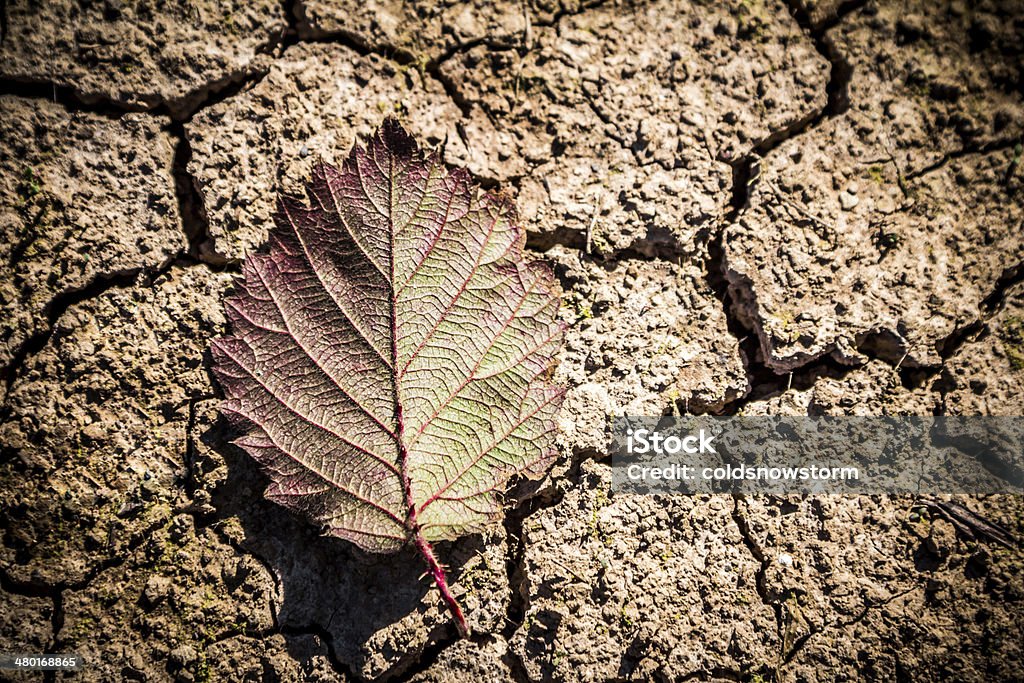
753,207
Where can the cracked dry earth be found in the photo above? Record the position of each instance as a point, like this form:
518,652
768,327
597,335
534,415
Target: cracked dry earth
753,206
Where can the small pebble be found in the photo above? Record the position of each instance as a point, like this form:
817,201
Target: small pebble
848,201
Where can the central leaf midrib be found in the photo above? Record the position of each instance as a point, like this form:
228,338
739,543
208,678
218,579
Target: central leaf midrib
412,528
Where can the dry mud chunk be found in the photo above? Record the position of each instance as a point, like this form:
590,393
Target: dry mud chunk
178,605
468,661
315,102
624,587
986,376
644,335
821,12
615,126
27,624
427,30
933,78
893,274
873,585
97,425
873,389
137,54
859,235
288,659
82,196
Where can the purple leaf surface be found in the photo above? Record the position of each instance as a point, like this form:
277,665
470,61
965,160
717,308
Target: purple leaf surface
390,358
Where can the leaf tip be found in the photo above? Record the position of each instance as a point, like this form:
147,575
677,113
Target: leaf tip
395,138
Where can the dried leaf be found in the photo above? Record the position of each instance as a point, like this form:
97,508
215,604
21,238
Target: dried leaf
390,357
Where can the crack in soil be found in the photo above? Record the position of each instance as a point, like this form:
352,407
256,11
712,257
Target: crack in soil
315,630
56,621
56,591
968,150
417,662
53,311
191,478
518,581
63,95
74,100
994,302
516,569
841,71
953,343
802,641
112,562
299,23
763,380
502,43
324,637
746,168
433,69
242,551
760,577
195,224
290,11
